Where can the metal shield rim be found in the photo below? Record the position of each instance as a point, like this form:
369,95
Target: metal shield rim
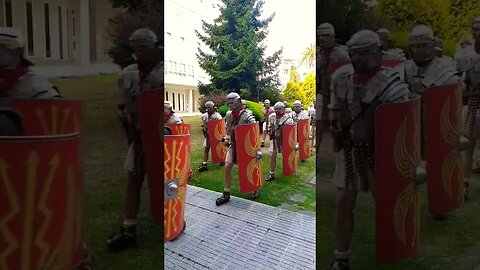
40,138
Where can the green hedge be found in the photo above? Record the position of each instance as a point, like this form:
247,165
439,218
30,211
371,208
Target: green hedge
256,109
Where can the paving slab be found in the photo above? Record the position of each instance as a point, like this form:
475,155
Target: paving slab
241,234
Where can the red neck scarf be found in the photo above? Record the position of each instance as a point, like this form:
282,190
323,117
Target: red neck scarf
360,77
325,52
279,116
9,78
209,113
236,114
167,116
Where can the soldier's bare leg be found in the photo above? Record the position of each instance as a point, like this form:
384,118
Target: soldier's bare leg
273,164
227,179
127,236
344,225
273,160
132,197
203,167
467,165
313,139
264,135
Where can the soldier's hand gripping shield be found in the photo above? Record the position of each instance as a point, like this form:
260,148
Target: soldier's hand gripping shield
289,149
397,161
46,117
41,194
443,145
171,191
216,131
249,157
304,138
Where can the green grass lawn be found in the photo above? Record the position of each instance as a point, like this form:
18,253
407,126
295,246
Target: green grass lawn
105,147
273,193
450,244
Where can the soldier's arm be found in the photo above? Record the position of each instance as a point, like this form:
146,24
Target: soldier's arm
43,89
333,106
396,92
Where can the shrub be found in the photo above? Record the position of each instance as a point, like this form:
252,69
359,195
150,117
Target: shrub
217,98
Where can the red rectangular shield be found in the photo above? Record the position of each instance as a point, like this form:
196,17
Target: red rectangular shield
249,168
41,202
176,162
149,117
303,138
397,201
179,129
289,136
46,116
216,131
443,112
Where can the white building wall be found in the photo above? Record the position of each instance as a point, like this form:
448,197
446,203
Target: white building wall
82,30
182,71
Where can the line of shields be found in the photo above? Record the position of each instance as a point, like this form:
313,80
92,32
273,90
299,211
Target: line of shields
417,141
177,159
41,185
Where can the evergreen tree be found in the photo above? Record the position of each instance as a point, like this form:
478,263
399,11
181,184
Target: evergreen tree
308,89
236,40
345,15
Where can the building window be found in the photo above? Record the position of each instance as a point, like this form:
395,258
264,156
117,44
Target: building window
30,48
183,98
182,69
46,10
175,67
8,13
60,31
166,95
173,101
179,102
73,23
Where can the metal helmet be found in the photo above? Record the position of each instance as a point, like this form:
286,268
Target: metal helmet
476,23
476,27
326,35
279,105
143,37
421,34
209,104
266,102
233,101
297,106
421,43
325,29
167,107
383,32
233,96
384,35
367,42
364,39
11,38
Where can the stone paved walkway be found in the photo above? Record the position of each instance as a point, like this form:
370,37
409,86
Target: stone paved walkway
241,234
